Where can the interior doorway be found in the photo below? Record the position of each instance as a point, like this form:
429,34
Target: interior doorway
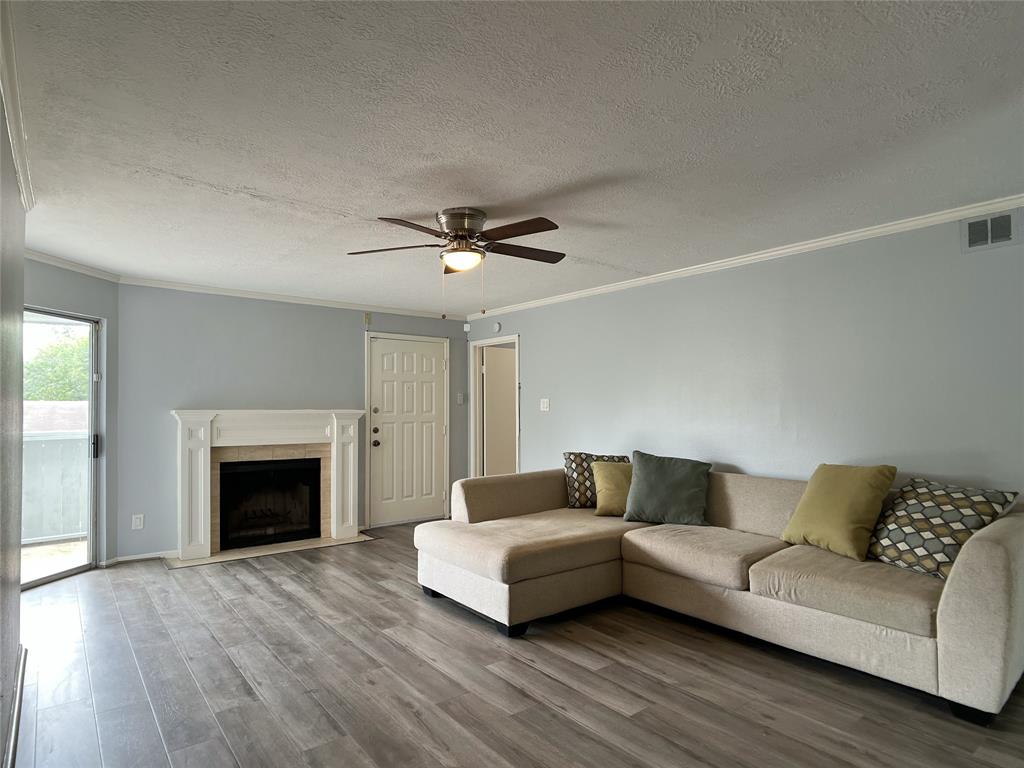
60,446
494,399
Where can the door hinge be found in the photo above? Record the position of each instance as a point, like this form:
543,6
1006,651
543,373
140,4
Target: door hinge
444,365
94,446
97,377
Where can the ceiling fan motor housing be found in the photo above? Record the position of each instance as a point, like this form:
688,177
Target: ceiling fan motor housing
461,221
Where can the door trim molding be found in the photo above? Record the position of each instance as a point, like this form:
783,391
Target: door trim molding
367,362
475,356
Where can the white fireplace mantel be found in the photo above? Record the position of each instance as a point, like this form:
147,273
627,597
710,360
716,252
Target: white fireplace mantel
200,431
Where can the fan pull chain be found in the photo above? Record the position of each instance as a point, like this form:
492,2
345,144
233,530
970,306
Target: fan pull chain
444,315
482,310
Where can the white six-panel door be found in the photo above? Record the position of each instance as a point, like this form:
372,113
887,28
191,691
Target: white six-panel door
407,430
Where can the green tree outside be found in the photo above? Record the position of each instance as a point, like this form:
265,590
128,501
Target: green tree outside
59,372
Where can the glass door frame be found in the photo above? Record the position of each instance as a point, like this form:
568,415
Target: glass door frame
94,443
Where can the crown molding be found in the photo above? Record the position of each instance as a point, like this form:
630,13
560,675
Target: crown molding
286,298
73,266
12,106
866,233
853,236
169,285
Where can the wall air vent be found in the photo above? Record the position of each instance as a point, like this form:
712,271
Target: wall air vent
991,231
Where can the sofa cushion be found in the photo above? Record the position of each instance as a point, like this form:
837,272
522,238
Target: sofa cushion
866,590
513,549
750,503
718,556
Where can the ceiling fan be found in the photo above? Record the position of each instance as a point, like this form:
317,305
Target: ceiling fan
467,243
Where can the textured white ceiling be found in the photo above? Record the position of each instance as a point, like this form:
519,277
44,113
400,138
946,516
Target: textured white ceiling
250,145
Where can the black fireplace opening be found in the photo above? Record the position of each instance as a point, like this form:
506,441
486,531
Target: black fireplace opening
267,502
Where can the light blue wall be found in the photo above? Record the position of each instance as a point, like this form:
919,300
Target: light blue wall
165,349
182,350
897,349
61,290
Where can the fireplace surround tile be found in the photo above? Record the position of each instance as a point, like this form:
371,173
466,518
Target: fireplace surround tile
255,452
223,454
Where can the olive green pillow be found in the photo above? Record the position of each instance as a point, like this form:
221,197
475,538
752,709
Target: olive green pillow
612,483
839,508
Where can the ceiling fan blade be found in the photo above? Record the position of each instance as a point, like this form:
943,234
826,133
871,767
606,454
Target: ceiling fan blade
519,228
419,227
399,248
522,252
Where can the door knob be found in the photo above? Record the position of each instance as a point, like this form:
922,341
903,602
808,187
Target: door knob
376,430
375,443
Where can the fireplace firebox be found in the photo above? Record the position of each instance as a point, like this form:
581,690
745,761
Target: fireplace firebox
267,502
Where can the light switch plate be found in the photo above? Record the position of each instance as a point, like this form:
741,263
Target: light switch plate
545,404
459,398
137,522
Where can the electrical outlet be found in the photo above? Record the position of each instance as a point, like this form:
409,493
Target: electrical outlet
545,404
138,521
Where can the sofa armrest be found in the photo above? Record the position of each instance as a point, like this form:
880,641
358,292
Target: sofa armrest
489,498
981,617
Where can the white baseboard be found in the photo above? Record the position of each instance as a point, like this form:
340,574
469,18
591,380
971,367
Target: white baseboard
129,558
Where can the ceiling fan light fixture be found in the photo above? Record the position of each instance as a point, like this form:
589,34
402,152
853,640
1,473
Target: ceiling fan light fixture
462,257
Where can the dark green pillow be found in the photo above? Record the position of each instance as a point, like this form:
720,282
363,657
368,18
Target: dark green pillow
667,490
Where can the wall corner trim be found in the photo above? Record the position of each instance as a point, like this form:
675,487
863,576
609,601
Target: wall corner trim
853,236
12,105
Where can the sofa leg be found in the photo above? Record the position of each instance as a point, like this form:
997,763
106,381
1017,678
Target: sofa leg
970,714
430,592
516,630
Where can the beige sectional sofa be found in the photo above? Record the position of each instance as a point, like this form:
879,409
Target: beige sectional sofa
514,552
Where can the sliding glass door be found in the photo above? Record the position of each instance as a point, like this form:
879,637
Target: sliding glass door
58,481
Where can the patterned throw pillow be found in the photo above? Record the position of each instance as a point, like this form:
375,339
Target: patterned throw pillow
579,477
924,526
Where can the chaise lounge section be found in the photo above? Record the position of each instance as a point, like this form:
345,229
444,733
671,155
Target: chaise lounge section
514,552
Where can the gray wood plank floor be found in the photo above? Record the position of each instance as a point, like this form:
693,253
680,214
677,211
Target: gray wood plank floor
333,657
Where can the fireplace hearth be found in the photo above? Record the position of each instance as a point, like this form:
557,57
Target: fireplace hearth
268,502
